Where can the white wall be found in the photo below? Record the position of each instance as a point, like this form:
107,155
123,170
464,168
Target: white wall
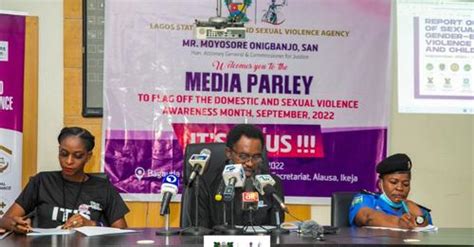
50,88
441,146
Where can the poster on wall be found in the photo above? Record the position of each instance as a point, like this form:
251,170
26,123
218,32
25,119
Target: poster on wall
12,49
313,75
435,71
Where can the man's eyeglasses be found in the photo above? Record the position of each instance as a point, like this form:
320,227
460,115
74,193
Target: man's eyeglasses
256,158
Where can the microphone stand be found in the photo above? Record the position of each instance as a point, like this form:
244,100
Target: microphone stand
196,230
230,229
226,228
220,228
278,230
256,229
167,231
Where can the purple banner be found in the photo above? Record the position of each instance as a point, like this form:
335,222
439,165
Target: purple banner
138,165
324,120
12,50
12,53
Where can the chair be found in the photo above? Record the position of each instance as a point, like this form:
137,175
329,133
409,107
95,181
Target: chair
210,175
99,175
210,178
340,204
216,162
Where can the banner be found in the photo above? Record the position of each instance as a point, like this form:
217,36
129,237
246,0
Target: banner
313,75
12,50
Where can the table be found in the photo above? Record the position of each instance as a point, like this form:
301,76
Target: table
344,237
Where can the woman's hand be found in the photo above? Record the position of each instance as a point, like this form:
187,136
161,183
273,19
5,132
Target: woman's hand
20,225
78,220
406,221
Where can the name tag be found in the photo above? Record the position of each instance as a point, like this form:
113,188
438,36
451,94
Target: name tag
237,240
261,204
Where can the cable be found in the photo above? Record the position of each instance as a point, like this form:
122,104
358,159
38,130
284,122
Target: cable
294,217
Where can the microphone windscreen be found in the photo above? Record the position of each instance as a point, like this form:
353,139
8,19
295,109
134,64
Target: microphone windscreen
249,201
198,162
236,173
311,228
262,181
307,226
170,184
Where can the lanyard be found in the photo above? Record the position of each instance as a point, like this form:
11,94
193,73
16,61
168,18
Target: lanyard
77,196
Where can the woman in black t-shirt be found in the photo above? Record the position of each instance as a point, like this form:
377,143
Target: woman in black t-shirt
69,198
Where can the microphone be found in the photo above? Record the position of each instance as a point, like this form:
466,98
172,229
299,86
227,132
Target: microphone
249,200
264,184
169,187
313,229
199,162
234,177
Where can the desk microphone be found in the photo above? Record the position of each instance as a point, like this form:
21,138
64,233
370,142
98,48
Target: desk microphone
249,201
264,184
199,162
234,177
313,229
169,188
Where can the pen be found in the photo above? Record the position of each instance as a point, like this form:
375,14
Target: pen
29,215
85,216
405,207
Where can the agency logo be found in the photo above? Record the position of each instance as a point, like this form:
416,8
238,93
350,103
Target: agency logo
274,12
5,158
238,10
223,244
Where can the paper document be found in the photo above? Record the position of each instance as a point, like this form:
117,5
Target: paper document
95,230
49,231
4,233
428,228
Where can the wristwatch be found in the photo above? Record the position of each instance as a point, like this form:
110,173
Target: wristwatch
420,220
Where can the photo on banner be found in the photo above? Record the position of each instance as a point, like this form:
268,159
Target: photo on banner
315,81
